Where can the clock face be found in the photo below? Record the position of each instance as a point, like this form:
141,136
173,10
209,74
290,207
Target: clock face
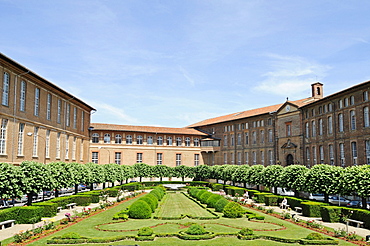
287,108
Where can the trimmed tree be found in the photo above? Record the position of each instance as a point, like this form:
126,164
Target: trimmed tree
357,179
293,177
270,176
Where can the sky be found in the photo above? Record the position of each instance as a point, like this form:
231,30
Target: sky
174,63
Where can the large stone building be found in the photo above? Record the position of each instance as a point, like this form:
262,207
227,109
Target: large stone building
38,120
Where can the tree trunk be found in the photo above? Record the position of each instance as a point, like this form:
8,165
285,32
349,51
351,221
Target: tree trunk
326,197
56,193
183,179
76,189
160,179
103,185
258,187
92,186
29,199
140,179
275,190
245,184
364,203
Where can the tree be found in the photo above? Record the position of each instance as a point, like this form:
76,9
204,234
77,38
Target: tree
240,174
160,171
293,177
357,179
36,178
10,181
81,174
62,175
217,172
202,172
112,171
228,172
141,170
97,174
127,172
270,176
325,179
254,175
183,172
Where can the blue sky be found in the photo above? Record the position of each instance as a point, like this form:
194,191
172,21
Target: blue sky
174,63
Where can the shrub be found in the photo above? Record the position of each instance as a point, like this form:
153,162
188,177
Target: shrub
220,204
49,208
216,186
145,231
271,200
29,215
112,192
233,210
212,200
294,202
140,210
196,229
315,236
252,192
331,213
151,200
199,193
246,232
94,195
62,201
82,200
71,235
312,209
260,197
9,214
204,197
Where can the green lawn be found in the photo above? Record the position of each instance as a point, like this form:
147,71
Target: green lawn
92,227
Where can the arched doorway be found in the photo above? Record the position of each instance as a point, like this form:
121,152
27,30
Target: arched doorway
289,160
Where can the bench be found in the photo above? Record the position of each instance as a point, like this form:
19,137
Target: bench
58,209
71,205
284,206
2,224
355,221
298,209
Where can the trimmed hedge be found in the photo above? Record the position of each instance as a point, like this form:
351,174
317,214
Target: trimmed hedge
140,210
233,210
260,197
252,192
112,192
151,200
29,215
49,208
221,203
294,202
216,186
9,214
331,213
212,200
62,201
82,200
204,197
312,209
95,196
358,214
271,200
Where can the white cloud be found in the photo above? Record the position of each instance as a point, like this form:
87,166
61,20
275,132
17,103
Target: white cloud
109,114
291,75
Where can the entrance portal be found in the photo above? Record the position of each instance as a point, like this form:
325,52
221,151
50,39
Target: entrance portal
289,160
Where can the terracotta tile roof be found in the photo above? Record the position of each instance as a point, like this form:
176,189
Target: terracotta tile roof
149,129
249,113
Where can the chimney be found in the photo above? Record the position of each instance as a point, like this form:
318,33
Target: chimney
317,90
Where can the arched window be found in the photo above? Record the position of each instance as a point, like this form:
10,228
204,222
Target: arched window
118,139
169,141
159,140
128,139
313,128
340,122
353,119
196,142
139,140
330,125
95,137
106,138
352,100
178,141
187,141
318,90
307,130
149,140
320,127
366,117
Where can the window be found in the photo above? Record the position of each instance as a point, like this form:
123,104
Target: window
95,138
366,117
246,138
239,158
346,102
48,107
225,140
20,139
258,124
178,159
5,99
196,160
187,141
67,147
365,96
262,136
232,158
352,100
314,155
159,158
288,129
82,150
254,157
342,155
149,140
269,121
74,117
169,141
232,140
320,110
59,111
321,152
74,148
340,122
82,120
159,140
320,127
22,97
107,138
262,157
331,154
271,157
128,139
117,158
196,142
330,107
4,123
58,146
139,157
307,130
262,123
340,103
118,139
95,157
308,157
246,125
35,141
354,153
178,141
47,144
325,108
330,125
367,150
239,139
313,128
270,137
37,102
246,156
139,140
353,119
254,136
68,110
225,158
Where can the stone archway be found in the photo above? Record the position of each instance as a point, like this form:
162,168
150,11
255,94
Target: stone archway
289,160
